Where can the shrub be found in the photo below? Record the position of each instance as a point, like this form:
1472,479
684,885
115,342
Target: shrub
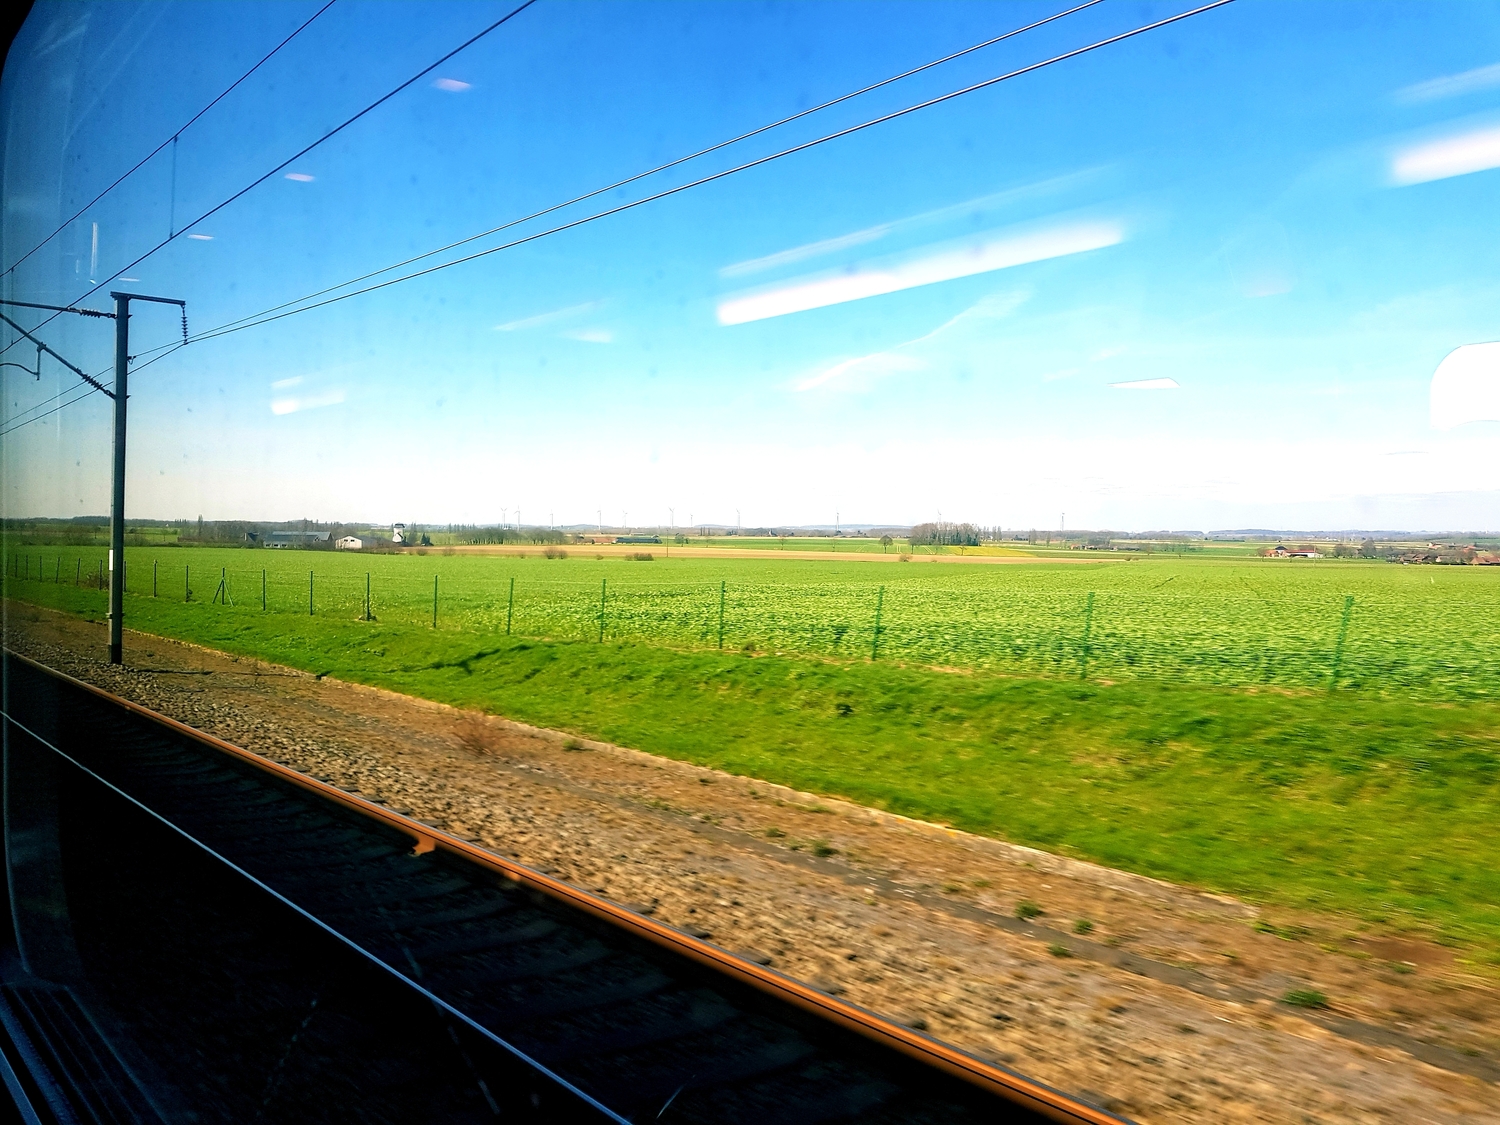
1305,998
1083,926
1026,910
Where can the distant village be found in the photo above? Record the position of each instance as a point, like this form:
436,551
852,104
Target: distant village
1435,554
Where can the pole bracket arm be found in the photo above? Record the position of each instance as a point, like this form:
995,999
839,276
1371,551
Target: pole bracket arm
87,378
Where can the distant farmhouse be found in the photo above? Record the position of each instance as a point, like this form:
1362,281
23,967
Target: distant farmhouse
1280,551
348,543
286,539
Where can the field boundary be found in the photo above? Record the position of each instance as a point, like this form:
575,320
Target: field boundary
671,550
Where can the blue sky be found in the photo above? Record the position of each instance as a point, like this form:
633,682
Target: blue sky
1202,278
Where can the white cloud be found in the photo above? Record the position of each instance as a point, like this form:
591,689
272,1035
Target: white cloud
309,402
877,363
1147,385
953,260
282,384
300,177
591,335
201,237
1466,387
811,250
452,85
1458,155
1451,85
968,211
897,359
546,318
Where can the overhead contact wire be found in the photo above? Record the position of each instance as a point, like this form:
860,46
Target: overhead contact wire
628,180
54,410
177,133
254,322
304,151
746,166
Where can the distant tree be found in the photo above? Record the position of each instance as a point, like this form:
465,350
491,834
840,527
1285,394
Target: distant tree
944,534
885,543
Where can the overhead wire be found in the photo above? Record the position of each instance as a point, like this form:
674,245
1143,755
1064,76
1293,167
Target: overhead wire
253,322
302,152
176,133
628,180
244,323
9,428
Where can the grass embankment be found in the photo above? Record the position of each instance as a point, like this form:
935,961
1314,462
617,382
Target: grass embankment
1387,808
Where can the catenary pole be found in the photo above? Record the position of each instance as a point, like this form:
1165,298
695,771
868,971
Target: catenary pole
121,393
117,493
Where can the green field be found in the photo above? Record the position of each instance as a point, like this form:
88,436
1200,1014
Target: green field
1195,719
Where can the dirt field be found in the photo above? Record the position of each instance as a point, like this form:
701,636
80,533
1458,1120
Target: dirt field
1167,1010
671,550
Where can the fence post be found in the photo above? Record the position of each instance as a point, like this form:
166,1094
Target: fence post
78,573
1338,650
510,604
155,566
602,583
309,594
367,595
263,589
1088,625
187,584
57,577
875,640
434,601
722,584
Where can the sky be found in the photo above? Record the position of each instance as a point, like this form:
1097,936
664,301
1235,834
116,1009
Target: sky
1239,271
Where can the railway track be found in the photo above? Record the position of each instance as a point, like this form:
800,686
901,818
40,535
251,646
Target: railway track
199,934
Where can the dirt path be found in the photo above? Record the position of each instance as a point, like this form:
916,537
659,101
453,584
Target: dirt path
1166,1010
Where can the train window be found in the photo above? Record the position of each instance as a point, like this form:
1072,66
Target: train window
868,561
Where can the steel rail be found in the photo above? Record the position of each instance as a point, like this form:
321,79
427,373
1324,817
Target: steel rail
1017,1089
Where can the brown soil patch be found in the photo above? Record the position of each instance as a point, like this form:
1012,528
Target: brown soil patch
668,550
1165,1010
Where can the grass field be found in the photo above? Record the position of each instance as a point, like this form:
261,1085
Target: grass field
1192,719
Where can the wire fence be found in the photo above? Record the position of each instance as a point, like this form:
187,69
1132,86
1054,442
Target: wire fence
1388,632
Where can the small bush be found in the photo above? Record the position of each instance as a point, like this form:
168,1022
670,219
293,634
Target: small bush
823,847
1305,998
1082,926
573,744
1026,910
639,556
1057,949
773,832
555,553
844,710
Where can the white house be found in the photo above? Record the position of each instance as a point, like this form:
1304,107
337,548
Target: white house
348,543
